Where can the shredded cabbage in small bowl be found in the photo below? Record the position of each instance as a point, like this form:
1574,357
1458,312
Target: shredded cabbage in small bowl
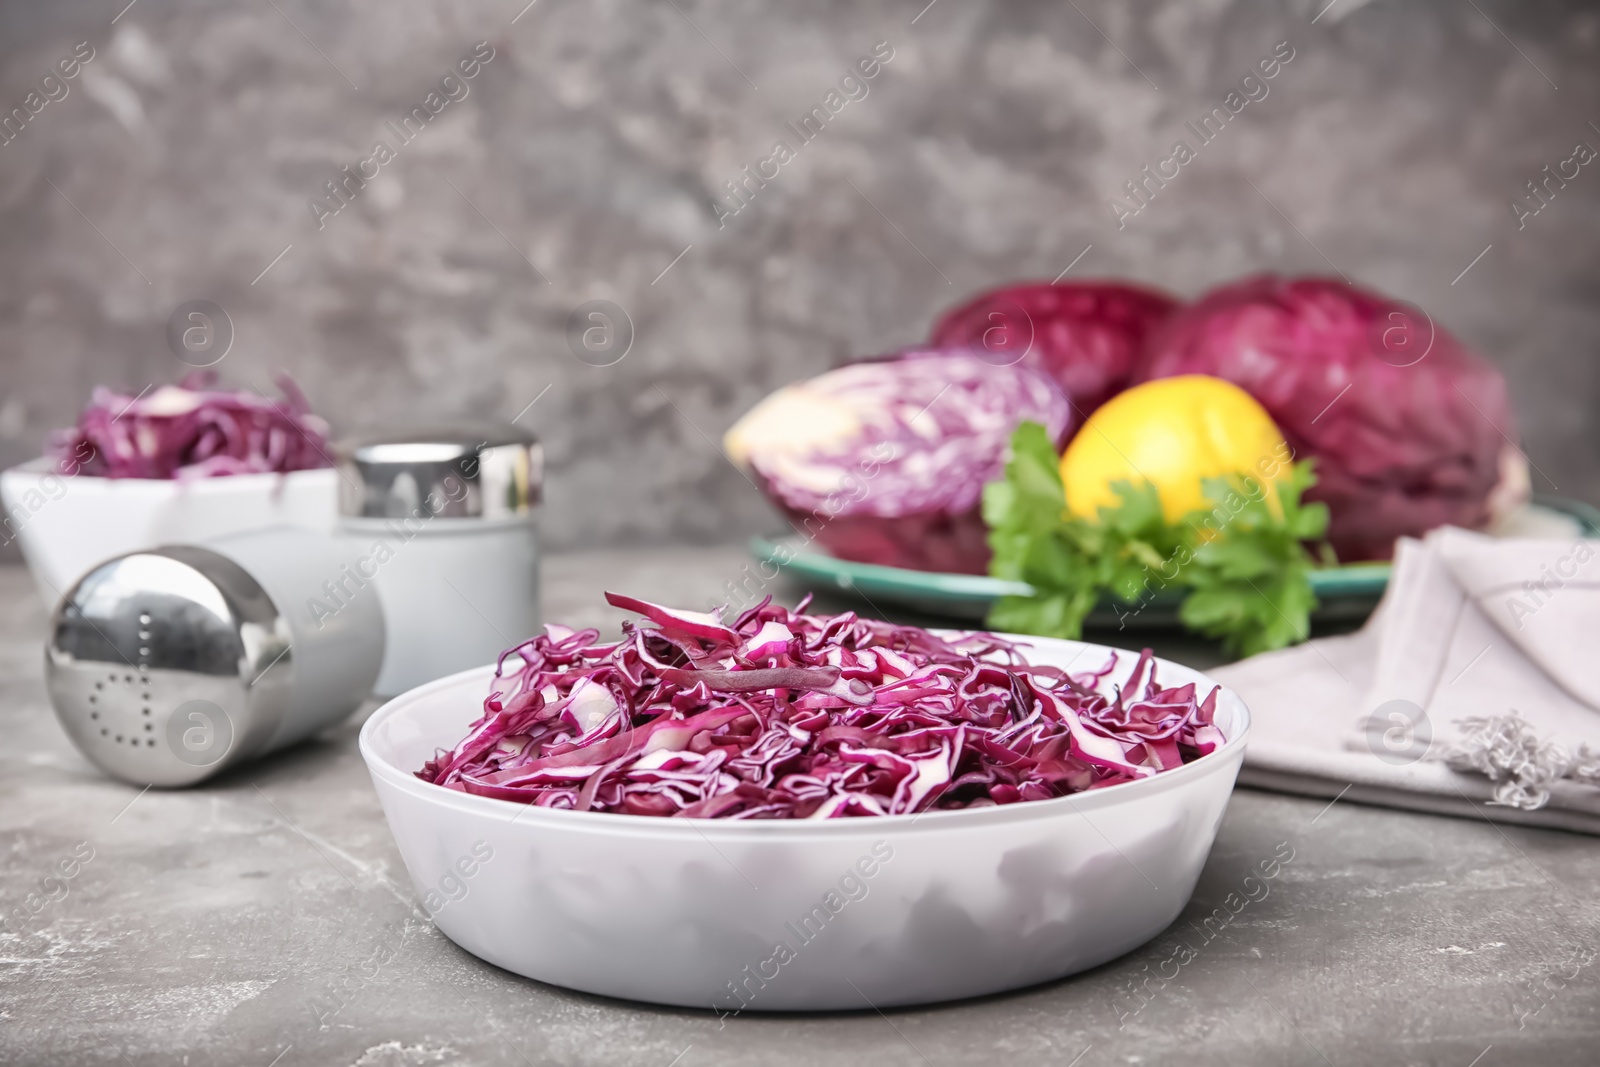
785,715
194,430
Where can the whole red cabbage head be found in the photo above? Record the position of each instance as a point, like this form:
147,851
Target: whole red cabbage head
1409,429
1088,336
885,461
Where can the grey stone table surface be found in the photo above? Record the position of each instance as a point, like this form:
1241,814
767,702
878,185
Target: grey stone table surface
249,921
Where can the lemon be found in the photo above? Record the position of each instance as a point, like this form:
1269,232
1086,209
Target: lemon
1174,433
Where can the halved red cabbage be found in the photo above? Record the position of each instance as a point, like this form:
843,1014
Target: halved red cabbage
1409,428
885,461
843,717
1088,336
193,429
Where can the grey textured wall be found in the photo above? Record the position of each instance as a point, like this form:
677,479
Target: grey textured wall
589,150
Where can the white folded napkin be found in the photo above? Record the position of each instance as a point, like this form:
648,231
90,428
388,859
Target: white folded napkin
1473,690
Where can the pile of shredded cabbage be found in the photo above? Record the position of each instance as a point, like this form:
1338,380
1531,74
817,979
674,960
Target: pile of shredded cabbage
194,430
786,715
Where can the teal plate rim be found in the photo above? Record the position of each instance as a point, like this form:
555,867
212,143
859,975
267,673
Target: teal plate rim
1347,582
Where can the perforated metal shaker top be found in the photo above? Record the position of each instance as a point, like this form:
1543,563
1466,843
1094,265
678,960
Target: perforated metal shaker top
167,665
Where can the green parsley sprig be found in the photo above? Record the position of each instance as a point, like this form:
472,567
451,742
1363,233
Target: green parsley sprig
1243,568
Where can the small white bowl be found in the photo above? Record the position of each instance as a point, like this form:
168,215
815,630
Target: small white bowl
67,524
868,911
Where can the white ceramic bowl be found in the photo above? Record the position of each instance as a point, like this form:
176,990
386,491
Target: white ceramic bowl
68,524
868,911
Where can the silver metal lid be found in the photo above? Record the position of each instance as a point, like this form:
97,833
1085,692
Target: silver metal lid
488,471
164,666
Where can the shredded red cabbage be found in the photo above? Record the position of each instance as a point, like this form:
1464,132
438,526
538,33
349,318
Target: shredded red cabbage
784,715
193,430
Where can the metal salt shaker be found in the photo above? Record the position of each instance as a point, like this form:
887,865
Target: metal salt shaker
442,522
168,665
